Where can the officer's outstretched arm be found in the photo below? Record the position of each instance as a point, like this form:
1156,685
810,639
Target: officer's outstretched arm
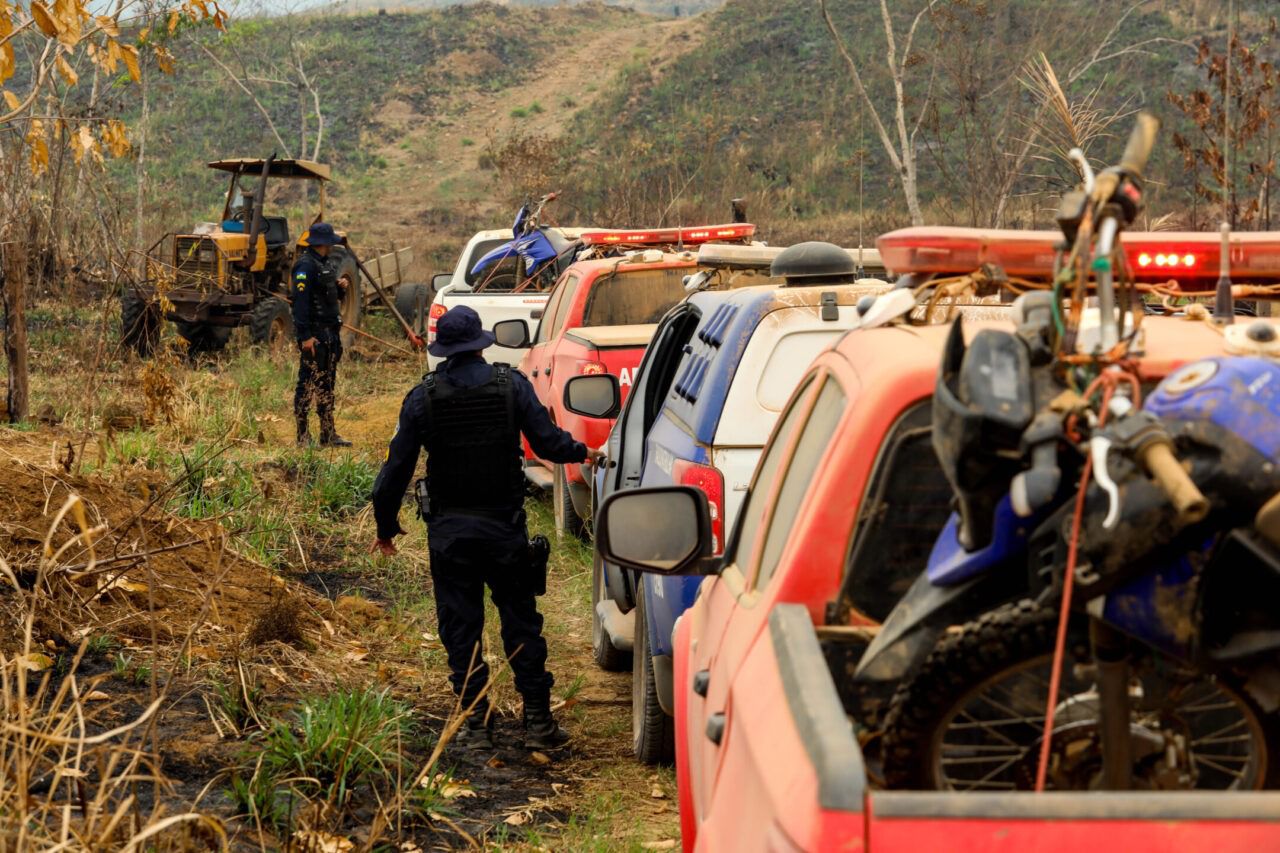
397,470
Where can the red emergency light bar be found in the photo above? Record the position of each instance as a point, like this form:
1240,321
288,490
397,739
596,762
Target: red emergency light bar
667,236
1152,255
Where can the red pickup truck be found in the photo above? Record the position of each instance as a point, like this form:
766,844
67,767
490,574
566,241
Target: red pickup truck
846,502
599,318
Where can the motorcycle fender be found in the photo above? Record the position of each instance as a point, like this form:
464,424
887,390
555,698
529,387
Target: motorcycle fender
918,621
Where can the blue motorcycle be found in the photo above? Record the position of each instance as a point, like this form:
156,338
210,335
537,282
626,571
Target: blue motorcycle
530,258
1170,663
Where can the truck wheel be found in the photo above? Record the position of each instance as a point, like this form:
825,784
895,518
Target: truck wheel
413,301
352,299
139,324
973,717
608,658
204,337
653,733
566,517
271,323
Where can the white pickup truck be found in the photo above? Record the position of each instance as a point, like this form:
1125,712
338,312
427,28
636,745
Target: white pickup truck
495,301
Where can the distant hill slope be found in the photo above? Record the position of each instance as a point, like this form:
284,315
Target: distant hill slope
640,119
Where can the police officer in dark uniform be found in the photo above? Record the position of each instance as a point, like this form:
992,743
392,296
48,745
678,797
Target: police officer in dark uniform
468,415
317,320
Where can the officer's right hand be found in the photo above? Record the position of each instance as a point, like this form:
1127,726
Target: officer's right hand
386,547
594,456
308,346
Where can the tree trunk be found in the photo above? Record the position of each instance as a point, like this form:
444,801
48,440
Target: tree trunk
141,173
13,281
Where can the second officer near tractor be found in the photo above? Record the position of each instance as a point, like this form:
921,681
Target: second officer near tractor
317,291
469,415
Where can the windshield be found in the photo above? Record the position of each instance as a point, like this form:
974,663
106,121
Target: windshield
634,297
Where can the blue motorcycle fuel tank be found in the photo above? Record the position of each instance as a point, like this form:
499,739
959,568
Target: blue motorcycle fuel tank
1240,394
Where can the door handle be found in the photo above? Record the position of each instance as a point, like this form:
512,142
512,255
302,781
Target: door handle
548,370
700,682
715,727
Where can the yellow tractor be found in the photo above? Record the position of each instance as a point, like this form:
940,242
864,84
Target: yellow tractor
234,272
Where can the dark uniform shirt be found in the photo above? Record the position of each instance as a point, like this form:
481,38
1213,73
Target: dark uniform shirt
316,299
548,442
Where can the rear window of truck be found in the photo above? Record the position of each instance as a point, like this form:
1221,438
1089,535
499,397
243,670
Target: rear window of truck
628,298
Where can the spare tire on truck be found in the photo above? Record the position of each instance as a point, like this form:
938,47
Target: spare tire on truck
139,324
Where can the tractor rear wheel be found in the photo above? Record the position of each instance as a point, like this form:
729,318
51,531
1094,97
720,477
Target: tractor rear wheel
271,323
352,300
139,324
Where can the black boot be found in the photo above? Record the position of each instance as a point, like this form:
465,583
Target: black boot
476,731
541,731
328,435
304,433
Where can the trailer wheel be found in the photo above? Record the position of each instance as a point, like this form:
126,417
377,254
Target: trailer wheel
413,301
139,324
352,298
653,733
271,323
973,717
204,337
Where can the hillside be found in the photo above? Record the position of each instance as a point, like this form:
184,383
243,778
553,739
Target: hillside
438,121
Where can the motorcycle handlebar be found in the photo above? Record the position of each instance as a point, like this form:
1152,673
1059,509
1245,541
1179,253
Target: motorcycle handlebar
1169,474
1141,141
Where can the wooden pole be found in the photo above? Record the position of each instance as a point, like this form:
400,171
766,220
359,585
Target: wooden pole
13,281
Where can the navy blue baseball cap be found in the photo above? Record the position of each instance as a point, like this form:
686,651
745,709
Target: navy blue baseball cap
459,330
322,234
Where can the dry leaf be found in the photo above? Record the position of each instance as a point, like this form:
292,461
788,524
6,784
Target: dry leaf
72,773
109,26
44,20
664,844
657,793
356,656
129,54
495,763
315,841
34,662
450,789
64,68
517,819
12,100
7,64
539,758
96,696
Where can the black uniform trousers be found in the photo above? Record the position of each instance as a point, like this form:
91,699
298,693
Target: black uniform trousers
316,377
460,571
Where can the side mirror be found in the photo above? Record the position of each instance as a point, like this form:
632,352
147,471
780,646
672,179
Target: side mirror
440,279
512,334
665,530
595,395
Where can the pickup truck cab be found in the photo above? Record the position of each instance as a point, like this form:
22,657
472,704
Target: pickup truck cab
721,367
843,511
599,319
492,294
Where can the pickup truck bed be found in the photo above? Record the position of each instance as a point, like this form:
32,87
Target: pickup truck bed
793,778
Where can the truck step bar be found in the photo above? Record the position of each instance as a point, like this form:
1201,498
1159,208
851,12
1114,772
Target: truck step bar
621,627
539,476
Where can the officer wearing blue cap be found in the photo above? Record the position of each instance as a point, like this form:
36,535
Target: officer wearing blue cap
469,415
317,320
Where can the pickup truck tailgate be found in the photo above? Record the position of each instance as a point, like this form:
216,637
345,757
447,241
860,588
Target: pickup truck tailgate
618,348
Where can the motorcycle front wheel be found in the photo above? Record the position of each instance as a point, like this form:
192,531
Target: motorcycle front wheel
973,718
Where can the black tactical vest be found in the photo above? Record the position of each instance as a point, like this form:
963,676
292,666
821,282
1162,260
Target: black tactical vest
474,460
